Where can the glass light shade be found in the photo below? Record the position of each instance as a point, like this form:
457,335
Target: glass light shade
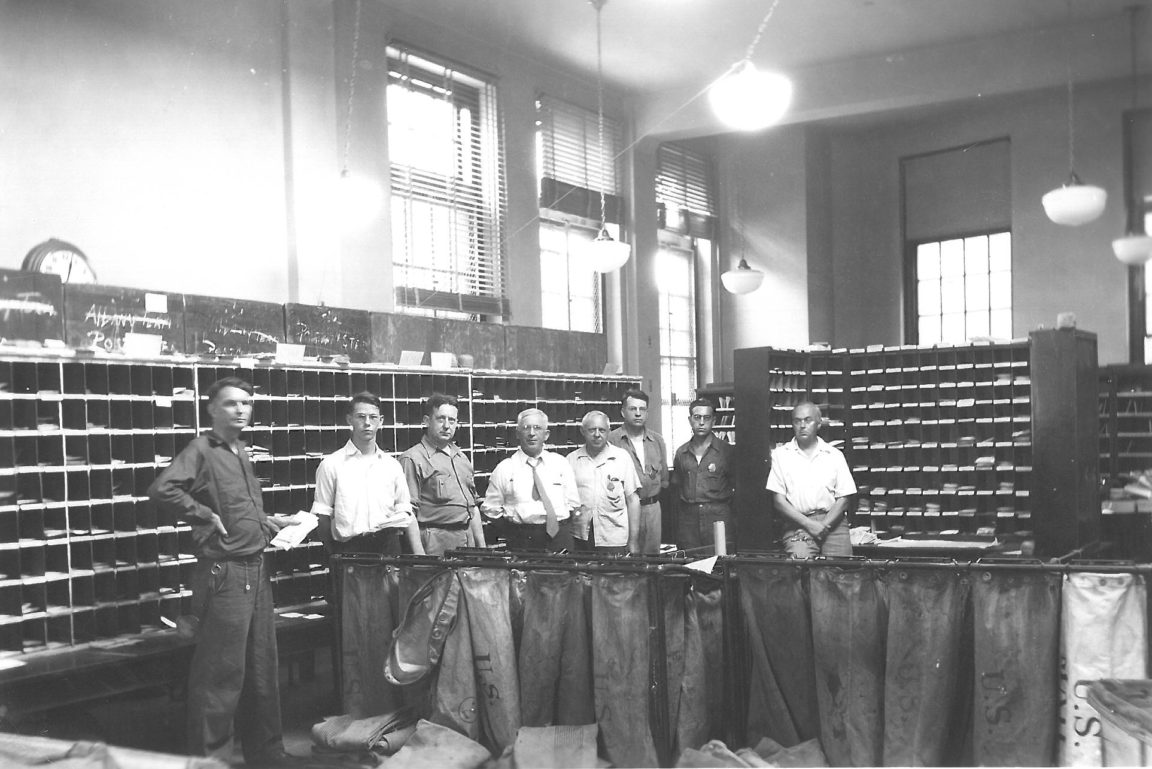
742,280
749,99
1134,249
1075,203
605,254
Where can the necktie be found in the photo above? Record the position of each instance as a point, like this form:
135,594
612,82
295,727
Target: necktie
551,525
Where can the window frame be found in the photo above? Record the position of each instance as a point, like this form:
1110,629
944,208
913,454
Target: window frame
569,223
470,202
671,401
912,280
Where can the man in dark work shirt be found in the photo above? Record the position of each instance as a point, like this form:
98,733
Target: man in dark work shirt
703,474
234,676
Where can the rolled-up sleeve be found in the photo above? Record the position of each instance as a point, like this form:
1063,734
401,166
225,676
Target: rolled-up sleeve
494,498
324,499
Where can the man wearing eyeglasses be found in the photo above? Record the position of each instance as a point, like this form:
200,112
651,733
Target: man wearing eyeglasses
703,475
811,487
362,498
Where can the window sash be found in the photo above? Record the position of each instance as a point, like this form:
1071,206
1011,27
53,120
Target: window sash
676,281
571,292
960,288
448,187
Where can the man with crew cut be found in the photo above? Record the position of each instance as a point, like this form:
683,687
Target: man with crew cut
811,487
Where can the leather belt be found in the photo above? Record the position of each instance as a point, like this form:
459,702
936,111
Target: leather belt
459,526
650,500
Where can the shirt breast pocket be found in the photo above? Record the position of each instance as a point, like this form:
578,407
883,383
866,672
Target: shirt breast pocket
439,487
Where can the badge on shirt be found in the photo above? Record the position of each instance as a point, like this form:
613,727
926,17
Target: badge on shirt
711,467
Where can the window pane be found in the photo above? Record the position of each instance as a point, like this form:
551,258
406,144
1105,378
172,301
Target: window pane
976,254
554,312
952,294
1000,251
952,257
928,261
1002,324
976,324
976,291
583,314
930,329
928,297
1000,297
952,327
680,343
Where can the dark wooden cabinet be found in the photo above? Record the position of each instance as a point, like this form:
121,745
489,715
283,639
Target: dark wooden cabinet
967,440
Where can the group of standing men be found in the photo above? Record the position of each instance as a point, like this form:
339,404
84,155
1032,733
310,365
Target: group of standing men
603,497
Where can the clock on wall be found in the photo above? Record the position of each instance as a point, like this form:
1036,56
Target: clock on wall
57,257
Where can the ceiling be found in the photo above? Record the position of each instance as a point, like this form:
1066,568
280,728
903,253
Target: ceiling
652,46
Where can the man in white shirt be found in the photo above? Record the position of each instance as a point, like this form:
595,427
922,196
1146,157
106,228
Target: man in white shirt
608,520
533,491
362,499
811,488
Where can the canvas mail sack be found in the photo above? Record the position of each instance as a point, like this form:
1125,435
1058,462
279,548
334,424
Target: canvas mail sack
418,642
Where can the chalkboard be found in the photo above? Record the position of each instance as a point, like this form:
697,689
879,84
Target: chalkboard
31,308
97,317
392,333
330,331
562,352
231,328
483,341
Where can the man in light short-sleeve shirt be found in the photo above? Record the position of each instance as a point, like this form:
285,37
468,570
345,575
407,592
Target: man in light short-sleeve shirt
811,487
362,497
608,520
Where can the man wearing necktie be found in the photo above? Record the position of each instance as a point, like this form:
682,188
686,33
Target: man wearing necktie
533,491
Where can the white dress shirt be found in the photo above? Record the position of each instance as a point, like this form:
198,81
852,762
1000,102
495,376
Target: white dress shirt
604,482
362,492
810,483
511,484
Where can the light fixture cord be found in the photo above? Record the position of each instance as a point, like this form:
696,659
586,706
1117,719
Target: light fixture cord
1071,125
760,31
599,4
351,89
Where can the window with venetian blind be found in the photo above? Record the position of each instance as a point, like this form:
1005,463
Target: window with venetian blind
687,211
445,149
574,175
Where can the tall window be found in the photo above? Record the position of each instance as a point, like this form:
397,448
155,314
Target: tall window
448,189
687,210
676,280
573,175
964,288
957,206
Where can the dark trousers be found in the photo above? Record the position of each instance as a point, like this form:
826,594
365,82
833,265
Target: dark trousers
695,525
379,542
533,536
233,684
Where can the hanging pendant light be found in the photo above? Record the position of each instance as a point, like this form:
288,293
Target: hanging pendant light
604,254
1075,203
359,198
1135,248
746,98
743,279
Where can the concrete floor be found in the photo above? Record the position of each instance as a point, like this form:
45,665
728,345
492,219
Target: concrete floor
154,719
